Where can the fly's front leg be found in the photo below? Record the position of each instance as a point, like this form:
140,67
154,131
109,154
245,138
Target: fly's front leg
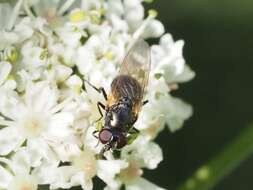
99,90
94,134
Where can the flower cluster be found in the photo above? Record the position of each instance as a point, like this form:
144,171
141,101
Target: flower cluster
47,112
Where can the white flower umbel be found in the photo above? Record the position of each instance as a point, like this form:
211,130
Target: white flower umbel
47,110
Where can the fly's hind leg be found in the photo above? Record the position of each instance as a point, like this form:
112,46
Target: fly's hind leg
99,90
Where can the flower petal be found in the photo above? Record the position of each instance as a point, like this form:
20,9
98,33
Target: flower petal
46,173
11,104
68,177
23,181
141,183
59,126
10,140
147,154
41,96
5,178
108,169
5,69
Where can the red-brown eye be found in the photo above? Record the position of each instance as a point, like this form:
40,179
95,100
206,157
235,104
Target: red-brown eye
105,135
121,140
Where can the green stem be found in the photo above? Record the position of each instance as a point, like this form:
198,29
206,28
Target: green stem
223,164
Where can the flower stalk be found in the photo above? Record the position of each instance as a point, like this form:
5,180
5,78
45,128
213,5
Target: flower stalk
211,173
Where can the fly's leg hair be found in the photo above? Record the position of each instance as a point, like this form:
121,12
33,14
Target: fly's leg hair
144,102
99,90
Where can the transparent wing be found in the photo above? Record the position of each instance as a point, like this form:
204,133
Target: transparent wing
134,73
137,63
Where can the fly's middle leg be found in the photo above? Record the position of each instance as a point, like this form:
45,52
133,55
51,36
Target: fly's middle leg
99,106
99,90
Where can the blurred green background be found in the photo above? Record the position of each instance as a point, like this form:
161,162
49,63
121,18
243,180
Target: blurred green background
219,44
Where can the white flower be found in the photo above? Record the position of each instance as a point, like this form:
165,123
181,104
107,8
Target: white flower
141,153
21,171
140,147
34,116
168,59
134,13
84,166
155,115
16,177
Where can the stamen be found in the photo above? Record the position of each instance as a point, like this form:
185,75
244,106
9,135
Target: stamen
28,10
61,105
9,163
65,6
14,14
6,123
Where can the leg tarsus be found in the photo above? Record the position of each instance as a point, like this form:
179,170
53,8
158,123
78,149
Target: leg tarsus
93,134
144,102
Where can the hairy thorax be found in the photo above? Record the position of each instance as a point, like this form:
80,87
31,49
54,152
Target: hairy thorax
120,115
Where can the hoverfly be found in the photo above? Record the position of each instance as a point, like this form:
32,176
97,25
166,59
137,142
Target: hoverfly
125,100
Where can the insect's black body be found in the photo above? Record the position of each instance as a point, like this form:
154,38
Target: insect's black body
127,92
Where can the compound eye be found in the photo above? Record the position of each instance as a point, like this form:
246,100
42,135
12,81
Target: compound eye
105,135
121,140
